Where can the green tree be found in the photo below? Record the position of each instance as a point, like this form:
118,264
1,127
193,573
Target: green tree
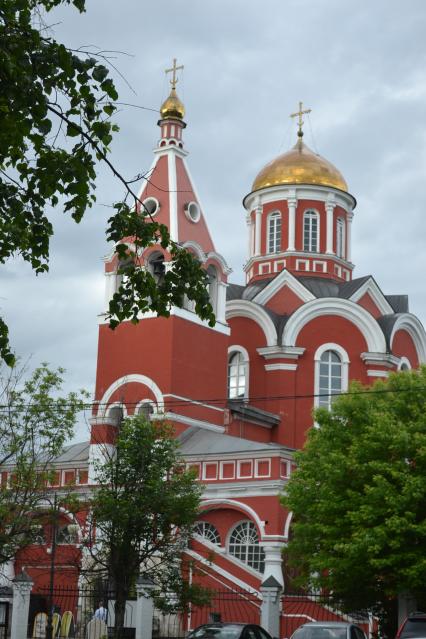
143,513
359,497
35,423
56,127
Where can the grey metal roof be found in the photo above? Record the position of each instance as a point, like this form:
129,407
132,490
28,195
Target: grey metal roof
253,413
197,441
234,291
75,452
399,303
320,286
386,323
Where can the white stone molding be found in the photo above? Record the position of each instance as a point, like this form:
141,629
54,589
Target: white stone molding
173,212
273,561
280,367
329,208
377,373
285,278
292,204
281,352
287,525
300,192
249,310
230,577
193,401
190,421
193,246
217,257
376,295
257,230
412,325
349,218
344,358
213,504
129,379
347,309
380,359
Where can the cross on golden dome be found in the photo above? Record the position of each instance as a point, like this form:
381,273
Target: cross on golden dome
173,70
299,114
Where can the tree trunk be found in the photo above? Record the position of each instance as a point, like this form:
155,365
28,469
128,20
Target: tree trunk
119,610
388,618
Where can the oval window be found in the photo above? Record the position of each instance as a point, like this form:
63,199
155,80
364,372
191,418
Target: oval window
192,211
151,206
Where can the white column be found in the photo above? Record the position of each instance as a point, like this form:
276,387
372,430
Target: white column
7,572
221,302
349,218
250,235
273,562
258,229
329,207
292,203
270,611
110,288
144,608
22,585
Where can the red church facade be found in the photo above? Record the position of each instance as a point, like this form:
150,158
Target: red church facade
240,394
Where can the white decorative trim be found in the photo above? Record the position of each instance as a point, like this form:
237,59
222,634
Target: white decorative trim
244,461
227,463
144,203
190,421
193,401
173,214
329,208
245,308
256,467
257,230
380,359
115,405
285,278
323,256
204,473
280,367
300,192
287,525
317,217
377,373
344,358
277,214
350,311
236,505
415,329
196,248
292,205
224,573
376,295
281,352
236,348
129,379
213,255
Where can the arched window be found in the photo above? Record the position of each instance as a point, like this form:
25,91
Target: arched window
237,375
116,413
274,232
330,378
67,534
208,531
146,409
156,266
340,237
404,364
311,231
244,545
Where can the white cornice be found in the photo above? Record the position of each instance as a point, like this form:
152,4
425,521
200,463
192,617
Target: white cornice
284,278
380,359
168,149
260,488
300,192
281,367
281,352
376,295
190,421
333,306
303,254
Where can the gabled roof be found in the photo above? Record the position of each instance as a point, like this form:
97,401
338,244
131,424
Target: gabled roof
399,303
253,413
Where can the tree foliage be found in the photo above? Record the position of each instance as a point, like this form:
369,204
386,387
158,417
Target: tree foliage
35,423
143,512
359,495
56,127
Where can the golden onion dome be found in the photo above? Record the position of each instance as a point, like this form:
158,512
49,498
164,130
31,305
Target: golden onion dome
300,165
172,107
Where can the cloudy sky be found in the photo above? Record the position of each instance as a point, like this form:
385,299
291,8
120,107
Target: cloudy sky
360,65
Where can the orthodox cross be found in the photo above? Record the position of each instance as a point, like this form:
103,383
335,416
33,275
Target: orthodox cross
299,114
173,70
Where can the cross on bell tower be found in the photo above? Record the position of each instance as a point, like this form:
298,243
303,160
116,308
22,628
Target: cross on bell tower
173,70
299,114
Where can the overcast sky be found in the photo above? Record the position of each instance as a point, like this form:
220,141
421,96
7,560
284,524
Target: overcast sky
359,65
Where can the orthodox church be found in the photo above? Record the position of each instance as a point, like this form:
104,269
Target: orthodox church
240,394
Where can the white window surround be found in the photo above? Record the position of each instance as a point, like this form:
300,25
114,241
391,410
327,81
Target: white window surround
264,268
236,348
256,467
115,405
412,325
146,401
226,463
244,461
404,364
192,211
340,237
129,379
273,234
250,536
204,477
152,206
344,358
311,231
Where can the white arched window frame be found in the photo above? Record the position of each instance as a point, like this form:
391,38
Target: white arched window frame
340,237
311,231
238,372
113,411
207,531
343,364
146,407
404,364
274,232
243,544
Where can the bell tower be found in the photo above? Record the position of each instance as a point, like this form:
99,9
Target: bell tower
299,216
161,364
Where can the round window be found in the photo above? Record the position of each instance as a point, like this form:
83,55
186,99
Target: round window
151,206
192,211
